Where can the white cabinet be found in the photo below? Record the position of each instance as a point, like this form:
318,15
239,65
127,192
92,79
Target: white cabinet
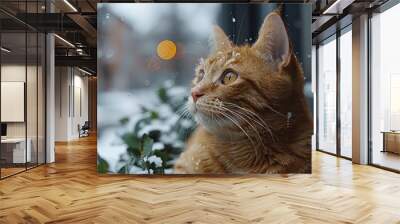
19,155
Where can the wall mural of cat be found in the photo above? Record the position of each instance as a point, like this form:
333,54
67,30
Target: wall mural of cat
250,108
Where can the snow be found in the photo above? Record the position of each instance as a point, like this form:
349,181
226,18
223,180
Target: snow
115,105
109,149
169,138
137,170
164,110
177,92
178,144
154,159
154,125
169,83
158,146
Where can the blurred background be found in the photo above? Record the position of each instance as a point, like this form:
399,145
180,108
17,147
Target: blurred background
146,59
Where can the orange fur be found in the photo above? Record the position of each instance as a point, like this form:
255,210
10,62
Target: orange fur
260,122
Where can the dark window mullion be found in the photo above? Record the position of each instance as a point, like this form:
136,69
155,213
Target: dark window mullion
338,74
37,90
316,96
26,86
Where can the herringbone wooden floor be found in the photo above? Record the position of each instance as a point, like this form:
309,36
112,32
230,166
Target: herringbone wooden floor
70,191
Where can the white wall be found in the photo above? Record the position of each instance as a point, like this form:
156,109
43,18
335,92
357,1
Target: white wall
71,94
62,81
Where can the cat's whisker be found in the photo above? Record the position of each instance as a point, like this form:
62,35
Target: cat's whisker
266,104
258,119
183,112
221,109
245,113
235,122
246,110
248,122
246,118
251,116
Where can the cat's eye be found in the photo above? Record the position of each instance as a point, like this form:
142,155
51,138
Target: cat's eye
228,77
200,75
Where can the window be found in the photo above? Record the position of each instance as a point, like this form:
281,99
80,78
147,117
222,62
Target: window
327,96
385,89
346,93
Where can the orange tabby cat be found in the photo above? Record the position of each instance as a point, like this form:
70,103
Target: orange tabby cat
250,107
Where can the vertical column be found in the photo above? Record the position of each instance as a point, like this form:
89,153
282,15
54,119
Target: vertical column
360,90
50,92
50,99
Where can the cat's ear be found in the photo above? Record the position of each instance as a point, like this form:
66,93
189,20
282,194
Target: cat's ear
221,42
273,41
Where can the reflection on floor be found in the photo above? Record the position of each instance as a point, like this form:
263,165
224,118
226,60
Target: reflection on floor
71,191
11,169
387,159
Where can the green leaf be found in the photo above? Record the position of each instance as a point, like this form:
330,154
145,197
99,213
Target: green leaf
102,165
123,170
137,127
147,145
134,153
124,120
163,155
131,140
155,135
162,94
153,115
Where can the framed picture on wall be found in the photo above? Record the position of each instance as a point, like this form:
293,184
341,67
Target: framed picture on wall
204,88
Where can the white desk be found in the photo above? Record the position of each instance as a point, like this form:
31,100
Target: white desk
19,149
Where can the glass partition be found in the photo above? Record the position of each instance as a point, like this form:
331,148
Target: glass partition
14,151
23,91
346,93
41,107
385,89
327,96
32,95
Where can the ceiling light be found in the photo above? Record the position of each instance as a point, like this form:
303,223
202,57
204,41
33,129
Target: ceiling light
70,5
65,41
5,50
84,71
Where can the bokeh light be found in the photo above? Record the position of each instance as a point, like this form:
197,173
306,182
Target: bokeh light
166,50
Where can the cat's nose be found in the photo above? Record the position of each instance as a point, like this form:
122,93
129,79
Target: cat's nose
196,95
